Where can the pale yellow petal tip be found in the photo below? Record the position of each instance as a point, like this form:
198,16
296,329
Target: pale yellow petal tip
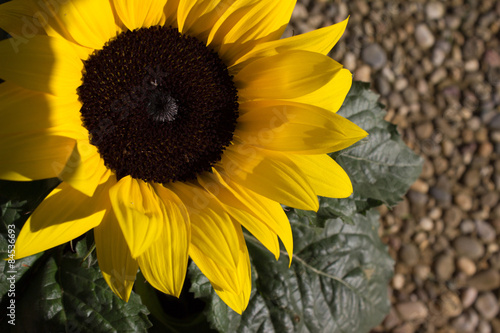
237,303
356,133
23,249
288,243
167,291
20,256
176,294
121,288
343,26
344,23
345,189
174,290
315,205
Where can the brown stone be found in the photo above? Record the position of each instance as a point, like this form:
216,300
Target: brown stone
485,280
450,304
412,310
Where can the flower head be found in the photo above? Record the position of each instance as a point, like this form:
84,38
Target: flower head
172,124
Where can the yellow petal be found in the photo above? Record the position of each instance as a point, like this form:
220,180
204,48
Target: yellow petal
246,23
64,215
331,96
139,13
233,280
320,41
261,221
24,110
269,174
285,76
113,255
295,128
268,211
196,18
239,301
84,168
18,19
44,64
164,263
213,233
33,155
170,13
326,177
89,23
139,211
25,19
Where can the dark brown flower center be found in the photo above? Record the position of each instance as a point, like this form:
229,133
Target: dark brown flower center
159,106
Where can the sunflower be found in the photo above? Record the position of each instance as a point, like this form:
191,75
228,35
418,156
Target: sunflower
172,124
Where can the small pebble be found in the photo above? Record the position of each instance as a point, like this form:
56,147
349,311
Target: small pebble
374,55
400,84
424,36
424,130
405,328
469,297
450,304
494,124
445,266
409,254
434,10
466,265
398,281
468,247
471,65
420,186
487,305
485,281
467,322
483,327
426,224
435,213
299,12
363,73
467,227
464,201
349,61
412,310
485,231
392,319
422,272
485,149
452,216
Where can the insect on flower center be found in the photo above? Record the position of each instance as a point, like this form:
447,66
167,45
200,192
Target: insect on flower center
158,105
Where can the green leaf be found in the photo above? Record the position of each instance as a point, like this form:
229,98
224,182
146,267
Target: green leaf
15,210
381,167
17,201
57,291
337,282
66,294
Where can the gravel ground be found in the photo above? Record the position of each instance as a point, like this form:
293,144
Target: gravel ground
436,66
